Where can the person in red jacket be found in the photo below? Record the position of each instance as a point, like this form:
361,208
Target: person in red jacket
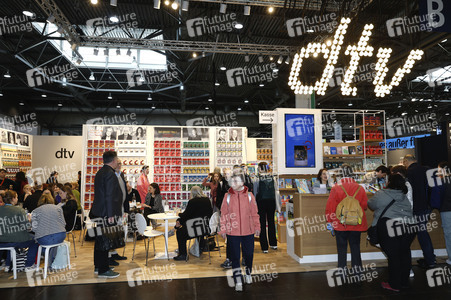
239,223
345,234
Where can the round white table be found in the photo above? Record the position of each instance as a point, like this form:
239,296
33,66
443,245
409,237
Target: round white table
166,217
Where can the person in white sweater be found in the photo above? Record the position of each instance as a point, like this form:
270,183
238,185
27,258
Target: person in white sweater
48,224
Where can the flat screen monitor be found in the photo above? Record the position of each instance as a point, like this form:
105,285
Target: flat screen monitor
300,141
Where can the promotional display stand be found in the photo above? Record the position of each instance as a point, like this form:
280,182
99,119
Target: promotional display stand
15,152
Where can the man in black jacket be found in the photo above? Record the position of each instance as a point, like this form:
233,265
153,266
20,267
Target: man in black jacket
416,175
194,221
6,182
106,208
32,201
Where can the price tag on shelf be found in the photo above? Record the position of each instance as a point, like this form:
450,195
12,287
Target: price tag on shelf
267,117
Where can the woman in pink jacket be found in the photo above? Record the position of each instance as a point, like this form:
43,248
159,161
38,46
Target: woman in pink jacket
143,184
239,223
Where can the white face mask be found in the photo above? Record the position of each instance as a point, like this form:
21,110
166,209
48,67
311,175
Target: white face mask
237,183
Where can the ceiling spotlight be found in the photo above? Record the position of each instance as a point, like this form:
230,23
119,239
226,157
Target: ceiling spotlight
106,52
7,75
78,61
109,96
21,103
447,114
271,58
114,19
222,68
217,84
92,76
207,108
142,79
404,113
288,60
247,10
182,87
444,41
194,54
246,58
261,84
275,70
129,52
1,94
28,13
156,4
446,89
51,18
238,26
60,104
246,101
280,60
222,8
153,106
96,51
64,81
185,5
203,54
118,105
118,51
270,9
113,2
239,108
210,100
166,2
174,5
260,59
150,97
429,106
94,2
350,104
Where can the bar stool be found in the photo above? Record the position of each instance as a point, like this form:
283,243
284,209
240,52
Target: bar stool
12,254
46,256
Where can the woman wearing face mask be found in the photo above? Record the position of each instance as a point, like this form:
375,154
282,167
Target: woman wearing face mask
239,223
212,182
143,183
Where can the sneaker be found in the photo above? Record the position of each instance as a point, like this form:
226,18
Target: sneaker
273,247
112,262
422,264
265,251
180,257
109,274
412,274
248,279
227,264
96,270
118,257
239,287
448,261
387,286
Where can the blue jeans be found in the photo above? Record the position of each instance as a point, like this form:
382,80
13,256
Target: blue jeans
32,250
247,244
423,237
52,239
446,225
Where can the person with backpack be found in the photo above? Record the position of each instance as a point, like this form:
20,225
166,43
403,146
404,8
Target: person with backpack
266,202
345,210
239,223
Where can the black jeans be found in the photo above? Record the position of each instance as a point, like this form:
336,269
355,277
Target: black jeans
182,237
266,210
101,261
353,237
423,237
247,245
397,249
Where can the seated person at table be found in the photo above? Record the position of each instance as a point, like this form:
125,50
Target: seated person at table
15,234
48,224
69,206
132,192
198,207
31,202
153,203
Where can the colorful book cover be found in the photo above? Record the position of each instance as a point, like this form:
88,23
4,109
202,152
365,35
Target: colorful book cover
281,183
288,183
339,150
352,150
345,150
302,186
333,150
326,150
359,149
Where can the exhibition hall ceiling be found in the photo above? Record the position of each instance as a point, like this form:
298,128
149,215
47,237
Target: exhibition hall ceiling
174,60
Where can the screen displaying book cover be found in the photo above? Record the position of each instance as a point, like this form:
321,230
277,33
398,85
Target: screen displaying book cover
300,140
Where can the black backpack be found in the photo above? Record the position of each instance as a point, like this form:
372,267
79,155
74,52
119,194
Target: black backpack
266,188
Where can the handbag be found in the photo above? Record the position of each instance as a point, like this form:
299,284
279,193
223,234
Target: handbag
110,237
60,261
372,230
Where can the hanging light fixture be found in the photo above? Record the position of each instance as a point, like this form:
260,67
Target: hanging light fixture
222,8
109,96
247,10
92,76
185,5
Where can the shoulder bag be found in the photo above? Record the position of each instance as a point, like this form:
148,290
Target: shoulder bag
372,230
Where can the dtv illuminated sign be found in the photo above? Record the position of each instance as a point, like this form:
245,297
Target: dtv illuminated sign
330,51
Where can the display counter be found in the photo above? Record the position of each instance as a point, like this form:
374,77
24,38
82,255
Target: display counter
312,242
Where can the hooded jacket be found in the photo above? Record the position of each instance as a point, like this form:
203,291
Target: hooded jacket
400,209
239,217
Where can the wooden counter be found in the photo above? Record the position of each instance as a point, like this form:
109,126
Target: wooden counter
312,239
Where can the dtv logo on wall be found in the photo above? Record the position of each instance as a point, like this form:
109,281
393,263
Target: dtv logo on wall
330,52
